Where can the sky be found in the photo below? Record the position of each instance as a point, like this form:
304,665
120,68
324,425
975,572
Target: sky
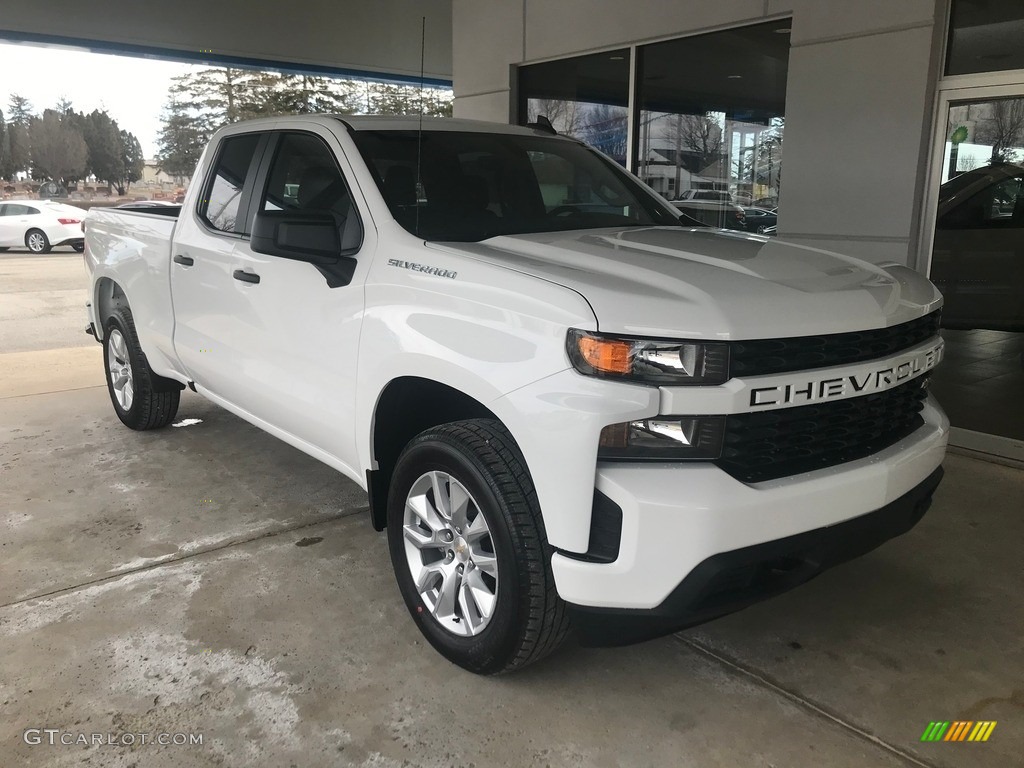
132,90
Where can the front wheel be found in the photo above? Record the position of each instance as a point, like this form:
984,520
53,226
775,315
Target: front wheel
469,550
78,247
36,241
141,399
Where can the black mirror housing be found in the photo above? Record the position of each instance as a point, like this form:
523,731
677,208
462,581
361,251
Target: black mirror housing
314,237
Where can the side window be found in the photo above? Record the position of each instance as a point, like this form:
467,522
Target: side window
304,177
220,208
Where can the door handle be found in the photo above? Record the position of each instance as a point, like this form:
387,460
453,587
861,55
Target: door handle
185,261
245,277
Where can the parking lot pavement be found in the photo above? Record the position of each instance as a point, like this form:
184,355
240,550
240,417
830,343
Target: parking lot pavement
211,581
43,304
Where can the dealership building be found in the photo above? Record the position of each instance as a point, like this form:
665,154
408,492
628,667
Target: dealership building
890,130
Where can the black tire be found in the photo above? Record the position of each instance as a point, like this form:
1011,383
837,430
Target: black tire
529,620
4,249
78,247
155,399
32,237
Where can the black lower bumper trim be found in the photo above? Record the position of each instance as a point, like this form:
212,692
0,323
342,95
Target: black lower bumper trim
729,581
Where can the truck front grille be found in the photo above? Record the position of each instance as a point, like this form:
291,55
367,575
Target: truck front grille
769,444
761,357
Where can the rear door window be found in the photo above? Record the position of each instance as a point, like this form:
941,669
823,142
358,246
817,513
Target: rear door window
222,206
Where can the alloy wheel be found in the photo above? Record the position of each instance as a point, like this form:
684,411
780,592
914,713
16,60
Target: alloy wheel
450,553
36,242
119,369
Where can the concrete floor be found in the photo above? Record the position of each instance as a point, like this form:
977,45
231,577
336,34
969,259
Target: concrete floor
210,579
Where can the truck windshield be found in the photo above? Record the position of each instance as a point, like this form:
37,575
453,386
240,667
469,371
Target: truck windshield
472,186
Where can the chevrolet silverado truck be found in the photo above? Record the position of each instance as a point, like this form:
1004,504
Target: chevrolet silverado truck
571,408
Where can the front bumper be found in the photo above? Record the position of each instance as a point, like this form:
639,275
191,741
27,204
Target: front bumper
675,517
729,581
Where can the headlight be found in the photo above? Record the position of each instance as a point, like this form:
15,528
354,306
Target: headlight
664,437
649,361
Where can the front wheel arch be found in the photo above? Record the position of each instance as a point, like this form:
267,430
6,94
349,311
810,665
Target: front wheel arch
406,407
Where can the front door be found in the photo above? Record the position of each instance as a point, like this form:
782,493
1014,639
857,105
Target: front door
299,336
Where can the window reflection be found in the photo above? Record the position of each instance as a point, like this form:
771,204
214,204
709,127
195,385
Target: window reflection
584,97
978,254
712,122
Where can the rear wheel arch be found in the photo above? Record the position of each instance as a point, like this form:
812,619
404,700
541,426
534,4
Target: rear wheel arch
109,296
406,407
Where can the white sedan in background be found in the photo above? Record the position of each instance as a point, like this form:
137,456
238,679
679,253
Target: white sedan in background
39,225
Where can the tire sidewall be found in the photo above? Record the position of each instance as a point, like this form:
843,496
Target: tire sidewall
131,415
489,650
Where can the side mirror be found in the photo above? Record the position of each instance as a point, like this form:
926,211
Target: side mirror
314,237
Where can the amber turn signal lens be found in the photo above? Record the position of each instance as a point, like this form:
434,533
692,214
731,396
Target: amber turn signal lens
607,355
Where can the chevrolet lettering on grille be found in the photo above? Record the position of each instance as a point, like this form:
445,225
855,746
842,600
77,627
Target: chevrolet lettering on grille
890,374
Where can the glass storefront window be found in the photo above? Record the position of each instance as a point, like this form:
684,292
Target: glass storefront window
584,97
978,264
712,120
985,36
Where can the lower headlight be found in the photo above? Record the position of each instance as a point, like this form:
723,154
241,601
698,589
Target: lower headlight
670,438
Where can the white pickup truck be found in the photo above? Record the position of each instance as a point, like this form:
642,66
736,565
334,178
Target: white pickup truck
570,407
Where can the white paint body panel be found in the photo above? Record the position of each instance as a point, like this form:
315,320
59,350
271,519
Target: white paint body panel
308,363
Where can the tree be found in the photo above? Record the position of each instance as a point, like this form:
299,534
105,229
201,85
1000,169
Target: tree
270,93
769,155
565,115
133,162
5,149
182,138
20,115
219,93
1004,130
105,152
605,129
698,135
20,110
58,150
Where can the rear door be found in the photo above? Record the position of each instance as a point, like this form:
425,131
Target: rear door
205,247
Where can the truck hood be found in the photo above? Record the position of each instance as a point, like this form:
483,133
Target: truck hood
714,284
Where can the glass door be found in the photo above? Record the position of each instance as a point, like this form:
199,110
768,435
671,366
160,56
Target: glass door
978,261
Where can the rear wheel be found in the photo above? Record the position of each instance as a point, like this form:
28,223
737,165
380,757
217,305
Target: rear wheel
4,249
141,399
79,247
36,241
468,547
